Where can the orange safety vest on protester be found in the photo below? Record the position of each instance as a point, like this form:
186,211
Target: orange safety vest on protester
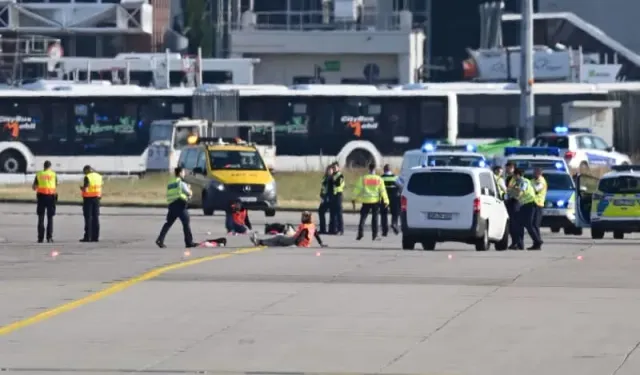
46,182
94,190
239,216
311,231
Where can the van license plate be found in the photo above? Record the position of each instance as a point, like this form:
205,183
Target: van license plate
439,216
248,199
552,212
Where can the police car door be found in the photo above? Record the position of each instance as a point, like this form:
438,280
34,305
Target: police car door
586,185
597,154
492,206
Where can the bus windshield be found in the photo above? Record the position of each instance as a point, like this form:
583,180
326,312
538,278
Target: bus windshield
239,160
160,132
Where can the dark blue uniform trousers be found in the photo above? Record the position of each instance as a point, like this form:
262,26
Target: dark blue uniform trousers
177,210
527,221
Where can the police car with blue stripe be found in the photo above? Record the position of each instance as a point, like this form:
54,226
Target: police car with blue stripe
435,155
580,148
559,211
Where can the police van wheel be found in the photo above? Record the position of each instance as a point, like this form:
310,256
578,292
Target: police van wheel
206,210
556,230
483,244
597,234
270,212
408,243
428,244
618,235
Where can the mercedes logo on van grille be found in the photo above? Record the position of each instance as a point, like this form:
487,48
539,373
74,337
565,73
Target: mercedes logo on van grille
247,188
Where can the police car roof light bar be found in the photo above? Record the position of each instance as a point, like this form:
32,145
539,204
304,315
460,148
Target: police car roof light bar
568,130
468,148
532,151
625,168
222,141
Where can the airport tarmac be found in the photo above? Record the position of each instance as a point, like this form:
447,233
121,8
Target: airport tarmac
125,306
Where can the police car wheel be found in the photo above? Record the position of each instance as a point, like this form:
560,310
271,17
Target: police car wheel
408,243
483,244
428,245
597,234
270,212
618,235
556,230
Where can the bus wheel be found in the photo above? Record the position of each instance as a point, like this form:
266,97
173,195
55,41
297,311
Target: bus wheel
359,159
12,162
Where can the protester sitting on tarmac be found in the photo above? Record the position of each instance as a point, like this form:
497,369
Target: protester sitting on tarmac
237,220
301,238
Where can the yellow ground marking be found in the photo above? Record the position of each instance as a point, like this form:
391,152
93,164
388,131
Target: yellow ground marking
115,288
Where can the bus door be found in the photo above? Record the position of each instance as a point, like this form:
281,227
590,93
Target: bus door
586,185
160,137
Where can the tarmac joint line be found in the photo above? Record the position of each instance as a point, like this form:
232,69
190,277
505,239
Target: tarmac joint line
118,287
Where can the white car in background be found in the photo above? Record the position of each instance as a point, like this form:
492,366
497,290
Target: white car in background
580,148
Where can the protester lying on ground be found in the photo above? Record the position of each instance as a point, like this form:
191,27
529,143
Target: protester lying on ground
303,236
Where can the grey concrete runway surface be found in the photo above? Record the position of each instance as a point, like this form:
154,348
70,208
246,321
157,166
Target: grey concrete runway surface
356,307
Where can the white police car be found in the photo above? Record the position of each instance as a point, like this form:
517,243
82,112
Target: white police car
547,158
453,204
580,148
440,155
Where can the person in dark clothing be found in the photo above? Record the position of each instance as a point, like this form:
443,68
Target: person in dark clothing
303,237
336,224
512,204
326,192
178,195
237,219
45,184
91,195
394,202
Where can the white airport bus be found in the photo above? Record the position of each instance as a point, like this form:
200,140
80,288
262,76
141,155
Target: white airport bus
108,126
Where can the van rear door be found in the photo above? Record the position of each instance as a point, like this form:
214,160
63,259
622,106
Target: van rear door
441,198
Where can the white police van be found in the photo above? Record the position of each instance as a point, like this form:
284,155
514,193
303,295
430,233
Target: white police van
580,148
440,155
453,204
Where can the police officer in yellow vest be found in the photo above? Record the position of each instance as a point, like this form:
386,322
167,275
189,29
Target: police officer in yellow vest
178,195
370,191
502,186
45,184
393,192
526,195
91,190
326,192
336,223
541,187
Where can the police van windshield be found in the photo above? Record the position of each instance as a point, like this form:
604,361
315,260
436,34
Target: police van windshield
551,141
454,160
238,160
556,181
620,185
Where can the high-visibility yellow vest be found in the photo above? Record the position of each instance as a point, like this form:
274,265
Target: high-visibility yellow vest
542,194
94,190
529,195
323,186
370,189
500,182
46,182
174,191
337,189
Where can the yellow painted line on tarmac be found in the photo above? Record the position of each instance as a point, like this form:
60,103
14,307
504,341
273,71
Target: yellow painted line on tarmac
117,287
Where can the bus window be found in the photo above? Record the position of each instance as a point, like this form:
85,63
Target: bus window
160,132
22,122
433,118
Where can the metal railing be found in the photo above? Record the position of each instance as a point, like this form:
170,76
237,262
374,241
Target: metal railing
318,20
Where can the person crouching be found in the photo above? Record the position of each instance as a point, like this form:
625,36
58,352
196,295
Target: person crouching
303,236
237,220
